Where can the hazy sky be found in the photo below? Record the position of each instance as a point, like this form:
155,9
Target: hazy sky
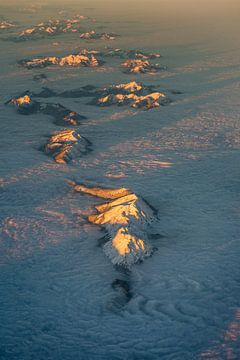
217,18
186,7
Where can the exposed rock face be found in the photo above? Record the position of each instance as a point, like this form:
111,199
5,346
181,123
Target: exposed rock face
62,116
125,217
148,101
93,91
136,66
39,62
127,88
64,144
50,28
102,192
93,35
133,94
89,52
132,54
77,60
5,25
25,104
130,87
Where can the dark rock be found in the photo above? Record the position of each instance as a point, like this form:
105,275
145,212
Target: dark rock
39,77
62,116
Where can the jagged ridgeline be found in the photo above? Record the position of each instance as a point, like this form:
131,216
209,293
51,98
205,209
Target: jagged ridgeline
84,58
65,144
126,218
50,28
136,61
78,25
7,25
93,35
131,94
136,66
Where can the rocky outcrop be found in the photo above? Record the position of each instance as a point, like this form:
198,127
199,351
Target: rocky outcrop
62,116
132,54
25,104
38,62
147,101
93,91
125,88
130,87
94,35
51,28
135,66
5,25
101,192
126,218
64,144
133,94
77,60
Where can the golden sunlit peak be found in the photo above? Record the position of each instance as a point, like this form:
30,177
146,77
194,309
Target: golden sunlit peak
73,60
131,86
62,145
124,243
87,35
22,100
132,54
140,66
94,35
7,24
27,32
101,192
84,58
51,27
123,210
125,218
148,101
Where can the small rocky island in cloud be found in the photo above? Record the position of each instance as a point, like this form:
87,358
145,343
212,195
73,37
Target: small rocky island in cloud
51,28
82,59
132,94
126,218
139,66
7,24
78,24
64,144
93,35
26,105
